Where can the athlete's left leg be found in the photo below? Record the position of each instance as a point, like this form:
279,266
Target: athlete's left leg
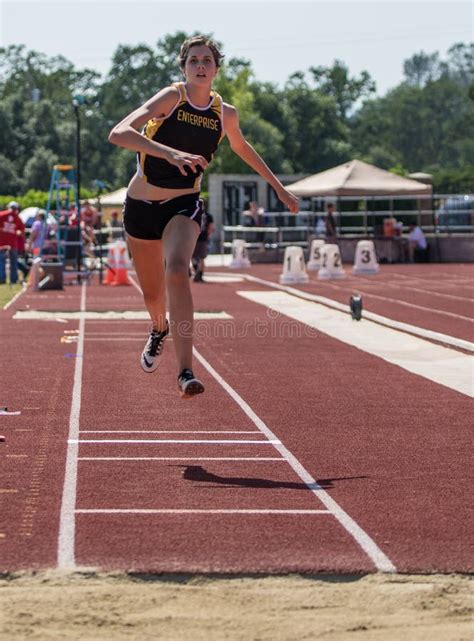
179,240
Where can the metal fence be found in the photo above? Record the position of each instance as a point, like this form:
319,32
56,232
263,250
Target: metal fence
440,214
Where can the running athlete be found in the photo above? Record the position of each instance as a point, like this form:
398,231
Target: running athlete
175,135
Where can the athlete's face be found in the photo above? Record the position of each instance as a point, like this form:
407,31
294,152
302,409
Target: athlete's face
200,66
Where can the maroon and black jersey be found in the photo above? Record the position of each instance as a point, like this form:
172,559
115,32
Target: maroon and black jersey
196,130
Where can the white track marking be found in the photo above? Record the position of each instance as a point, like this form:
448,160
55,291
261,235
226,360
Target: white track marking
380,560
211,277
167,431
111,333
135,284
200,511
31,314
436,363
16,297
66,559
181,458
381,320
404,303
417,289
115,339
173,441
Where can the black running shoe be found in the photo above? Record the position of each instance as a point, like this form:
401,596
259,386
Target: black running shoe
154,346
189,385
198,277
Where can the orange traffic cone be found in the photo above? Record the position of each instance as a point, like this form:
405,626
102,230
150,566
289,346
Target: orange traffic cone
111,267
121,274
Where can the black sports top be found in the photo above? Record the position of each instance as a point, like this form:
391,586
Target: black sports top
196,130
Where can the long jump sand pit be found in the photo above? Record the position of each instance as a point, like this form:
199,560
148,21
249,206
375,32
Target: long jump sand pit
117,606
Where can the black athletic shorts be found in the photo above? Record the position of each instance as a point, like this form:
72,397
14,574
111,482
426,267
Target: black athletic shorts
147,219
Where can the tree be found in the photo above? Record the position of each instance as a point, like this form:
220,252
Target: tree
335,81
10,182
422,68
38,168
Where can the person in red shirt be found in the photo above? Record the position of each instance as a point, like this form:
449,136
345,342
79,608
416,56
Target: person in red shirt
12,231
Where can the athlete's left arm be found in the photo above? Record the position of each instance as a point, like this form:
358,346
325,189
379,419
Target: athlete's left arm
244,150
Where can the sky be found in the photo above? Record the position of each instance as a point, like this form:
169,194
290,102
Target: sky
278,37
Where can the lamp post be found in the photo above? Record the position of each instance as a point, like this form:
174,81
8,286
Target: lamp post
77,101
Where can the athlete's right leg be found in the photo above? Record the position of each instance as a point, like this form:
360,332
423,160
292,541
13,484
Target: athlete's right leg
148,259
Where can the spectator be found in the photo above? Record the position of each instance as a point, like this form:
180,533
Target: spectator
39,233
12,231
67,217
254,215
89,216
320,227
114,226
417,245
330,224
202,245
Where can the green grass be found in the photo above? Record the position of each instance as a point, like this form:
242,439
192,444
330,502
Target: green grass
7,292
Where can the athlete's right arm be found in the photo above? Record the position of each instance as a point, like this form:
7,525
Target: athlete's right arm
126,133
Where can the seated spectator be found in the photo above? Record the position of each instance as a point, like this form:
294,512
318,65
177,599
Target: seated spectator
389,226
254,215
417,245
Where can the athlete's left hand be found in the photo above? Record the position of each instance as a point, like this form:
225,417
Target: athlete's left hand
289,200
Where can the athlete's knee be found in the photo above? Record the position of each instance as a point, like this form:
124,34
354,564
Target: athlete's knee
177,271
153,296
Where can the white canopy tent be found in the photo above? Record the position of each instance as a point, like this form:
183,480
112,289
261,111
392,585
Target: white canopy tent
112,199
357,178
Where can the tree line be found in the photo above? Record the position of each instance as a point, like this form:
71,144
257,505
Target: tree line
320,117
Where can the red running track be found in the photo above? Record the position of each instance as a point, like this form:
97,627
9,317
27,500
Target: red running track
199,486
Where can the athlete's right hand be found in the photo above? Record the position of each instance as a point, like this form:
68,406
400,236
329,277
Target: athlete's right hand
181,160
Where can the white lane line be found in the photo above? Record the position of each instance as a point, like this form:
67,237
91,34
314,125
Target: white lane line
66,559
181,458
198,511
381,320
16,297
167,432
379,558
135,284
404,303
115,339
418,289
111,333
174,441
437,363
31,314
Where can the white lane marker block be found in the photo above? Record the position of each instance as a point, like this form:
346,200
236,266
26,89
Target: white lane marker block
331,263
240,257
434,362
365,259
294,269
314,262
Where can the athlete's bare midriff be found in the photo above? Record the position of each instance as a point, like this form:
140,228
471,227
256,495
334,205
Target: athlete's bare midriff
139,189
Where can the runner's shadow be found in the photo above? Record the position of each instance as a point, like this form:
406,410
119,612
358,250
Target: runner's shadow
198,473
